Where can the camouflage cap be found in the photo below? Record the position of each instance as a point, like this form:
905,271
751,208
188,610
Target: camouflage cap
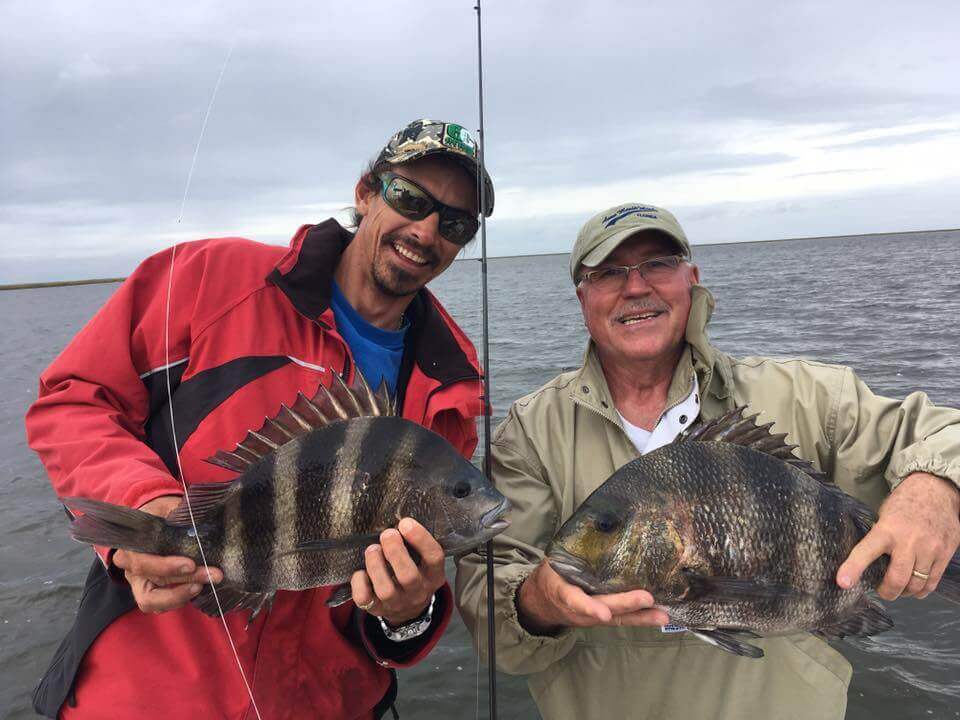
604,232
428,137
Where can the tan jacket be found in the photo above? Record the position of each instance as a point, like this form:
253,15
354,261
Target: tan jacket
560,442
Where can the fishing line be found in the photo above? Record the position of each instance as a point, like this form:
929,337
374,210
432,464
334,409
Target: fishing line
173,425
203,129
186,493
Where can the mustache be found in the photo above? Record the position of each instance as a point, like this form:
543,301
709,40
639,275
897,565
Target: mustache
414,245
638,308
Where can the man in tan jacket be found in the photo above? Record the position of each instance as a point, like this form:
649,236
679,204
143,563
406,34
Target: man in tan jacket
648,374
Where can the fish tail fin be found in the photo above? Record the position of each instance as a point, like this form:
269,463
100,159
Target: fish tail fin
949,586
116,526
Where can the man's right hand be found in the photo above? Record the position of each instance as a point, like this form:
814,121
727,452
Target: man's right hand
546,603
162,582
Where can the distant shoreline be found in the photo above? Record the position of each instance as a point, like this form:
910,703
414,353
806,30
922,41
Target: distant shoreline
98,281
60,283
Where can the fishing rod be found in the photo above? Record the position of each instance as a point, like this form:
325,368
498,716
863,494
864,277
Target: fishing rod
487,407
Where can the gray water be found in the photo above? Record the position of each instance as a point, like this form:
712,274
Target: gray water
888,306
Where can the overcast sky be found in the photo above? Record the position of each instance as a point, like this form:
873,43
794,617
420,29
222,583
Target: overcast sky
750,119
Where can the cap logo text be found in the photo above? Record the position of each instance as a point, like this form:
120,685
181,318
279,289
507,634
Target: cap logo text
628,210
456,137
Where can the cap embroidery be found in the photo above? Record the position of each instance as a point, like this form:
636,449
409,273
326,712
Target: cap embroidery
641,210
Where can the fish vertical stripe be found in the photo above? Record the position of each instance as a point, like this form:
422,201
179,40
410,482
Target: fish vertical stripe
381,458
256,523
802,523
314,512
344,520
232,559
283,566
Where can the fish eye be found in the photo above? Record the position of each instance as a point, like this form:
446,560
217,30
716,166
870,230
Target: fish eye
605,523
461,489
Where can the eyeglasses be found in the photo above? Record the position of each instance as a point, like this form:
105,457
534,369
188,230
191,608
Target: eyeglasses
413,202
615,277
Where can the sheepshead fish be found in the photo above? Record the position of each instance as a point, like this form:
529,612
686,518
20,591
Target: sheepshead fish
318,484
735,537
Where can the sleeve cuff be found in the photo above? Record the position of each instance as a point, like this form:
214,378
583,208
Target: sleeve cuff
522,635
910,461
390,654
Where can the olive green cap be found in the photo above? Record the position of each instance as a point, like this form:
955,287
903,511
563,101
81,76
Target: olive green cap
604,232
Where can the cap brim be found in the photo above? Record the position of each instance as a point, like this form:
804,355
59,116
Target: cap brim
601,251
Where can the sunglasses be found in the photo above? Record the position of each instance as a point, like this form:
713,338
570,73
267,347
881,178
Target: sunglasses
413,202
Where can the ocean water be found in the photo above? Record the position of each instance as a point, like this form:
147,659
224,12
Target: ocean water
886,305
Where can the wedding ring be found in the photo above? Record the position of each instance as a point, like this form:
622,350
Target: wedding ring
922,576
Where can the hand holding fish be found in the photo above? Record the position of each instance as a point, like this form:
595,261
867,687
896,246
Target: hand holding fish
919,528
161,583
547,603
393,586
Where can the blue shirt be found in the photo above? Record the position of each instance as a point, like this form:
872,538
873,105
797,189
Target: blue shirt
377,352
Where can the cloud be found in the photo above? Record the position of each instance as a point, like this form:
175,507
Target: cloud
685,104
899,138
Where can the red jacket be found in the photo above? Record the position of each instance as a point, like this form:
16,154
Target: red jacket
249,327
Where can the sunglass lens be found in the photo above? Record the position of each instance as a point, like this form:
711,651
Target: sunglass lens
407,199
458,228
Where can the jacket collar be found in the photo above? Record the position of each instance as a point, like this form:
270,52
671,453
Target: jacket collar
711,366
433,341
305,272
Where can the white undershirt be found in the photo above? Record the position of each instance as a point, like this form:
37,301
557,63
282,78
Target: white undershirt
671,423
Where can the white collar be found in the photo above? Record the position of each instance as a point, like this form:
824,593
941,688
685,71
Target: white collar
673,422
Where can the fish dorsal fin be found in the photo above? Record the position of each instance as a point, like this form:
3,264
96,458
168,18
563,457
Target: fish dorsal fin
739,429
328,405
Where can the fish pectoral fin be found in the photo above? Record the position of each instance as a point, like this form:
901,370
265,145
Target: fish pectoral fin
340,543
342,594
731,589
204,498
728,642
231,598
869,619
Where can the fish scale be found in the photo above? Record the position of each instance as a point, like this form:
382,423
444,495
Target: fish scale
729,532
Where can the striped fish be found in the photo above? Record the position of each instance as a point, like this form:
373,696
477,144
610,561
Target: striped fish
319,483
733,535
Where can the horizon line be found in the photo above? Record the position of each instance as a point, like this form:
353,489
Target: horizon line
98,281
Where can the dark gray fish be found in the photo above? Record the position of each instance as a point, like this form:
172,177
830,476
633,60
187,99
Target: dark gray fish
319,483
731,534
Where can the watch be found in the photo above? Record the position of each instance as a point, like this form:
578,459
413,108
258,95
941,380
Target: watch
410,630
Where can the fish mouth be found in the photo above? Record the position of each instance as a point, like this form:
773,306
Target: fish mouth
572,569
491,524
493,519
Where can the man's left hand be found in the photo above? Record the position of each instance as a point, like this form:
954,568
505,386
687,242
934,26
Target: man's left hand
919,528
393,586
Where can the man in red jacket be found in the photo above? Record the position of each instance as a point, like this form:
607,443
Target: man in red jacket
195,348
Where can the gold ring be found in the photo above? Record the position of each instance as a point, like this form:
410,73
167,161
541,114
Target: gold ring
922,576
366,606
